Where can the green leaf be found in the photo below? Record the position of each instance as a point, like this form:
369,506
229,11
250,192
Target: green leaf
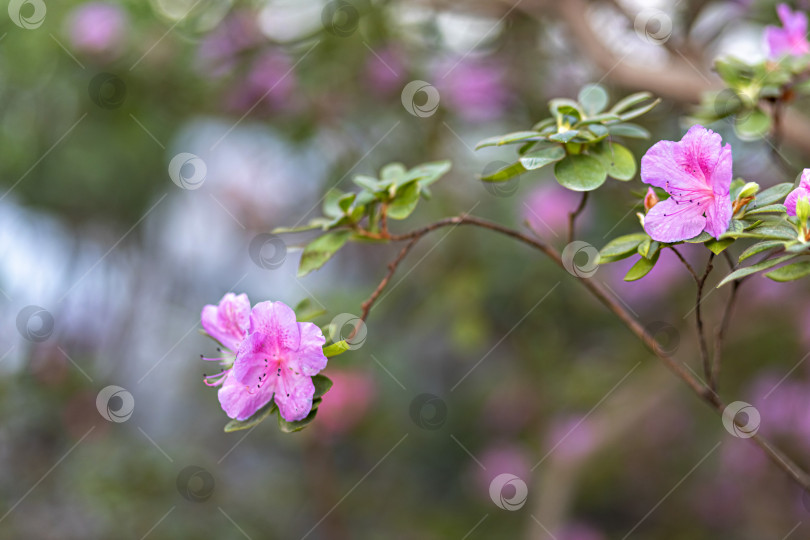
509,138
505,173
593,98
629,115
564,106
579,172
759,248
754,125
629,101
428,173
321,250
405,201
392,172
717,246
701,238
617,159
306,311
322,385
622,247
770,208
754,268
772,195
564,137
734,229
790,272
770,232
345,202
631,131
368,182
291,427
541,158
331,207
641,268
256,419
336,348
648,248
308,227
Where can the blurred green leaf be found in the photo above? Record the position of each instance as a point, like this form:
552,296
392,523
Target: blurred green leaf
405,201
641,268
509,138
622,247
754,268
339,347
772,195
579,172
593,99
759,248
617,160
541,158
505,173
321,250
256,419
790,272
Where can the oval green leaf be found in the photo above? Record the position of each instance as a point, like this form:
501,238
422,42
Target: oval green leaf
579,172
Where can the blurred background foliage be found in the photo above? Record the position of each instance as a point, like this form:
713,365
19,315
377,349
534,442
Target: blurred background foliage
283,100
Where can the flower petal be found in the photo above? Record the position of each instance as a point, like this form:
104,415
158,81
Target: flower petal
309,359
672,222
718,215
257,359
228,321
660,168
793,197
237,400
294,393
805,181
276,319
702,155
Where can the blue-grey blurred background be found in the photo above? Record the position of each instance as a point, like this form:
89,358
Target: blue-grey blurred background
280,101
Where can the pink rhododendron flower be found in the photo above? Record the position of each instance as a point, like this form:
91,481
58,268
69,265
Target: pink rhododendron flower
802,191
349,399
97,27
547,209
228,321
277,360
696,172
791,39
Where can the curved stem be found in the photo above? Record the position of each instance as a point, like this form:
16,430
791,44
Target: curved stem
704,392
704,349
572,216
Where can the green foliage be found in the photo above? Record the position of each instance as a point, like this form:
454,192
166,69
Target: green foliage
642,267
576,140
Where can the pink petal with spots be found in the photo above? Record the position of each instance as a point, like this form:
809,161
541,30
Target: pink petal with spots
669,222
294,394
240,402
227,322
309,358
277,321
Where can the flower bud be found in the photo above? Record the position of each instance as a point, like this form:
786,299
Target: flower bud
748,190
650,199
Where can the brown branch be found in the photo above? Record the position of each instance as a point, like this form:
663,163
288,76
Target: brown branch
704,392
572,216
686,264
704,350
392,268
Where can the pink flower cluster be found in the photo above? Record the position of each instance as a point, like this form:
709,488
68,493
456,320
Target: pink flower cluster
275,357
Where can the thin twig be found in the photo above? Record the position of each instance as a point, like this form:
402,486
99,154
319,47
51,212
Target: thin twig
392,267
704,350
686,264
704,392
572,216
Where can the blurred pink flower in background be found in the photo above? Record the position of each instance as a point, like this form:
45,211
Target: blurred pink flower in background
270,80
579,531
791,37
784,406
384,72
218,51
347,402
498,459
97,27
547,208
570,437
475,90
667,275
